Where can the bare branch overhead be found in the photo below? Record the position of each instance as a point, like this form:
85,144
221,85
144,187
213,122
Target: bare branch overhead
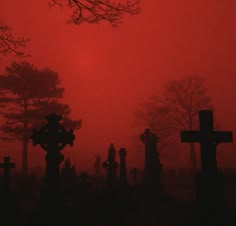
94,11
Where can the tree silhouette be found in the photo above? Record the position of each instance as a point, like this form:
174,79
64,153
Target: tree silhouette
10,43
177,109
94,11
27,94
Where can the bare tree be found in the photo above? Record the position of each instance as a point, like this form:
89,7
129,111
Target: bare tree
10,43
177,109
94,11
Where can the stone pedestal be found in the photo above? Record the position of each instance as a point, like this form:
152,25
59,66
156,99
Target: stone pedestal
209,190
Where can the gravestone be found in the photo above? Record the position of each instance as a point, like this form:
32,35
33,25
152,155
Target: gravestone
7,165
52,138
152,167
68,171
98,180
111,167
7,204
97,166
123,169
209,183
68,179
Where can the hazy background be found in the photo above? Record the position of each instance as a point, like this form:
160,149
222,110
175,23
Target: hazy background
108,72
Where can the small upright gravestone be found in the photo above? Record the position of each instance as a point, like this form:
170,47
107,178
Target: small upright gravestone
8,202
52,138
152,167
111,166
97,166
7,165
68,171
123,169
209,184
6,192
134,173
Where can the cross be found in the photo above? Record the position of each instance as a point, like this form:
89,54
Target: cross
53,135
208,139
7,165
148,137
53,138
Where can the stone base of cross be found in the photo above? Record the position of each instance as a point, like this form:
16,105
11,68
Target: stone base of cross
209,190
152,180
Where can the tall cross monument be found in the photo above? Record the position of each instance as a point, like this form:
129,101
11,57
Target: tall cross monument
209,183
52,138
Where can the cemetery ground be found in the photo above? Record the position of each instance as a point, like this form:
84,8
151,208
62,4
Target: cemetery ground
160,198
142,209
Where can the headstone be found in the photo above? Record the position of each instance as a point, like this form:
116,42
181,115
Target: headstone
152,167
68,171
6,198
97,166
123,169
111,167
68,179
84,183
209,184
7,165
53,137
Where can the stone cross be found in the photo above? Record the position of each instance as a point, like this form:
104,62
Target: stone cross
52,138
123,169
208,139
111,166
152,166
7,165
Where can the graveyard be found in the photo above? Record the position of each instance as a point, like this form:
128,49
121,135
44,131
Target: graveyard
145,197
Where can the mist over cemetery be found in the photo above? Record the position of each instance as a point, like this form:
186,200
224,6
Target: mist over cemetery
114,193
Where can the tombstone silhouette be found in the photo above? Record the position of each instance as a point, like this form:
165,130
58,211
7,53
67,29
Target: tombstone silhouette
97,166
52,138
152,167
7,203
7,165
209,184
111,167
68,171
123,169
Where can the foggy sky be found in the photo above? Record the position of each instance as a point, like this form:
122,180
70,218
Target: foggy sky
107,72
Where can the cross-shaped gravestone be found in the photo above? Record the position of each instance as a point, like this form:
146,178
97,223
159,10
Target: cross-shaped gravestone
111,166
53,137
208,139
7,165
123,170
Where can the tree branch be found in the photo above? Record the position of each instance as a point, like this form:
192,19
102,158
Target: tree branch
94,11
10,43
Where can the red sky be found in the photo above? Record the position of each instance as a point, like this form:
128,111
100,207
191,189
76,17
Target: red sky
108,72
